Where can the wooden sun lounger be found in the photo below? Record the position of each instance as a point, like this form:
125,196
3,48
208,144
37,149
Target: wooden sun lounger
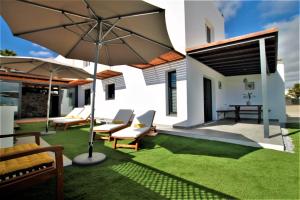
123,115
71,123
83,118
24,178
136,137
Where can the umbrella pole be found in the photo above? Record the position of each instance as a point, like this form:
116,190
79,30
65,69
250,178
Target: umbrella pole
48,106
93,101
48,102
91,157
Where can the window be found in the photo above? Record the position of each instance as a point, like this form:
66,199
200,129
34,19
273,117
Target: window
208,34
110,91
172,93
87,97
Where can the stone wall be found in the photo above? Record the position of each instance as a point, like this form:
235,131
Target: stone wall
34,105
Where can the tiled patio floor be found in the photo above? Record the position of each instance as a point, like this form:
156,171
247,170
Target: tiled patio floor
245,132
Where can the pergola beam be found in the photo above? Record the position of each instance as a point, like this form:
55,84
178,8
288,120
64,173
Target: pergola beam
234,52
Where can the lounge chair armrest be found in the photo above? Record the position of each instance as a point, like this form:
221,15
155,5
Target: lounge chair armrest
35,134
57,150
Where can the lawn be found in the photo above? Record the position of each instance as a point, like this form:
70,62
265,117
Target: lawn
170,167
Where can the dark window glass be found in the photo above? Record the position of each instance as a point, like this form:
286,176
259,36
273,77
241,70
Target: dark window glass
87,97
110,94
208,34
172,92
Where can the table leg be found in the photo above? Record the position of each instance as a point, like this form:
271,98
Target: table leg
237,113
259,114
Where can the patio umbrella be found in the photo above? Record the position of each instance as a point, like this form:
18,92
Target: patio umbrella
44,67
108,32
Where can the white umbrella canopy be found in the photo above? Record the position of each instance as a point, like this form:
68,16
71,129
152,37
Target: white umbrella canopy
44,67
117,32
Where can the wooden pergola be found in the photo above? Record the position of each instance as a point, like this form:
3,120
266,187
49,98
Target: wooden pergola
254,53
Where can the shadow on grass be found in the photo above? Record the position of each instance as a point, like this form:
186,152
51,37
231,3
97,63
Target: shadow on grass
183,145
166,185
292,133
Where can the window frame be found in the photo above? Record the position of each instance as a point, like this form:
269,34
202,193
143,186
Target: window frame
108,90
209,37
170,102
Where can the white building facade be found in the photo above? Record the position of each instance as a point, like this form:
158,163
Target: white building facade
189,23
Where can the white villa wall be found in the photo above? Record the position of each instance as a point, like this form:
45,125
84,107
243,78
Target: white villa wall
65,106
142,90
81,95
234,88
197,15
175,21
195,73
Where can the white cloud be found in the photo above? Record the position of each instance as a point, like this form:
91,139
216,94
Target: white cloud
228,8
288,48
44,54
39,46
276,8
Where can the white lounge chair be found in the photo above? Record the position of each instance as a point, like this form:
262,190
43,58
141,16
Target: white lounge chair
120,121
82,118
73,114
140,126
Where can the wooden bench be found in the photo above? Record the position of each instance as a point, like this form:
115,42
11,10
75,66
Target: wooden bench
30,174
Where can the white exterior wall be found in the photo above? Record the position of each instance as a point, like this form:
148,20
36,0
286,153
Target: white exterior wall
197,15
81,90
175,21
196,72
232,92
65,106
143,90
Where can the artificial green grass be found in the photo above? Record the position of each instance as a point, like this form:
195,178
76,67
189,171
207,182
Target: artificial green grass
171,167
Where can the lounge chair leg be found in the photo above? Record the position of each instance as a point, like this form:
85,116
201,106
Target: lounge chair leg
136,147
115,143
66,126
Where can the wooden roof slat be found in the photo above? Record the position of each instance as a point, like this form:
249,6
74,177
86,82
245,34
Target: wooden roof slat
235,39
239,55
108,74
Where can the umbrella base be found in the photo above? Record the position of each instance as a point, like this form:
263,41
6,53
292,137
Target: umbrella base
47,132
83,159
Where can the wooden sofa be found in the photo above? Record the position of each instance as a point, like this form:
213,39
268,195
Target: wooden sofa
25,165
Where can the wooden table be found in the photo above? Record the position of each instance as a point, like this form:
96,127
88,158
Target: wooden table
258,110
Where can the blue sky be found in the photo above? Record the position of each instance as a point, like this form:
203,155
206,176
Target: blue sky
241,17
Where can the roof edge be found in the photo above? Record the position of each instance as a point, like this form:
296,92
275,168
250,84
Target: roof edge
234,39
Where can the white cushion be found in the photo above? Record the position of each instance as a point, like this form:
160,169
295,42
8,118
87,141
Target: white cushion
75,112
130,132
123,115
85,113
107,127
145,118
